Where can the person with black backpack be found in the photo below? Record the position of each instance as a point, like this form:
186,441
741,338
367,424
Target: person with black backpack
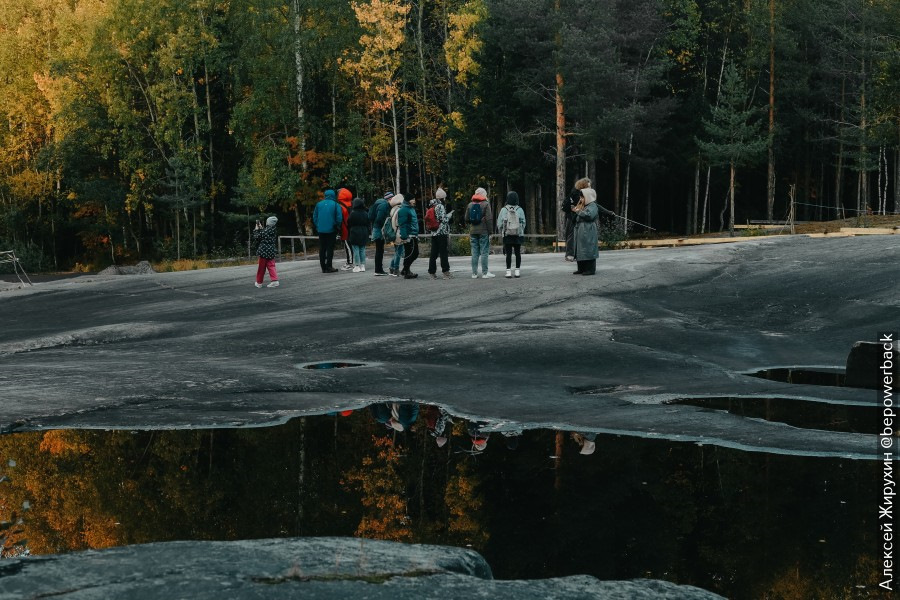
511,224
481,224
437,221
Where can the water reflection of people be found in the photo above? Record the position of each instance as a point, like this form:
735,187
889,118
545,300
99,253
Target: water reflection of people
479,437
586,442
512,438
398,416
436,422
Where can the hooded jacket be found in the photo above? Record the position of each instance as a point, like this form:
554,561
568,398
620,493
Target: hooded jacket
407,221
377,214
358,224
345,199
327,216
487,218
512,210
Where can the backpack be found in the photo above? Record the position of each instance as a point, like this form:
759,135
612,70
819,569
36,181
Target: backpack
475,213
431,222
387,230
511,226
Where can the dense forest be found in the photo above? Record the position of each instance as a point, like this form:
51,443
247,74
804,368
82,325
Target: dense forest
149,129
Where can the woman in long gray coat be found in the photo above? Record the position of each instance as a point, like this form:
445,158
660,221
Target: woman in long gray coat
586,218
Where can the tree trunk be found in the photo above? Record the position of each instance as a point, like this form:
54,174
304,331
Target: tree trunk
770,205
396,149
560,159
298,67
696,201
616,204
625,225
839,170
731,193
530,214
209,122
706,200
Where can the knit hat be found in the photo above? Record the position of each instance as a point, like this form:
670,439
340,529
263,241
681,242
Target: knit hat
512,198
271,221
480,194
388,195
440,194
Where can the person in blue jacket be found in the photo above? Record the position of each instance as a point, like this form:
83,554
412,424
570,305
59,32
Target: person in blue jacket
327,219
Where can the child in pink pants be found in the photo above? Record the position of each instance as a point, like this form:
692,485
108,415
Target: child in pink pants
267,238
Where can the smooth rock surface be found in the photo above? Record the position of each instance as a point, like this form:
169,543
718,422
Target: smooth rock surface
602,353
297,568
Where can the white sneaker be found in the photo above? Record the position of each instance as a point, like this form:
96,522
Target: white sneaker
347,267
273,284
508,273
362,268
259,285
488,275
356,269
517,273
474,275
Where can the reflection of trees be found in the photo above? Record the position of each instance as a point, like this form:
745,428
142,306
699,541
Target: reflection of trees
383,494
465,525
95,490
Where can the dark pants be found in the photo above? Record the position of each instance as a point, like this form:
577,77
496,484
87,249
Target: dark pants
587,267
348,251
411,248
570,234
326,250
439,245
379,255
508,250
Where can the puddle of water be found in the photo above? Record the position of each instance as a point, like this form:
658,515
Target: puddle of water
798,413
332,365
803,376
536,504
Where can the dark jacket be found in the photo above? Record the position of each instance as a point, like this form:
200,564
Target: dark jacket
267,238
377,214
358,224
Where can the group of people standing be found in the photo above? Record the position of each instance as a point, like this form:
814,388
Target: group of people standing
392,219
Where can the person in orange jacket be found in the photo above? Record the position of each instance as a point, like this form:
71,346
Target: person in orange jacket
345,200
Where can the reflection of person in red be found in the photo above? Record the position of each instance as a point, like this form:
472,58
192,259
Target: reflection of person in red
436,421
345,200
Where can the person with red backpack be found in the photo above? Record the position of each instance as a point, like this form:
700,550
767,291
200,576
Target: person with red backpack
437,222
481,224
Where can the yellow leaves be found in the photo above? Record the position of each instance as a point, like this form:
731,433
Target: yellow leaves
376,62
463,44
62,442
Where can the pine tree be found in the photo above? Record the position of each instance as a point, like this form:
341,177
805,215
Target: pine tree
735,137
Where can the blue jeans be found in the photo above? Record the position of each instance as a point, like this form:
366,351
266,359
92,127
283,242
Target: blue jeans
398,256
481,247
359,255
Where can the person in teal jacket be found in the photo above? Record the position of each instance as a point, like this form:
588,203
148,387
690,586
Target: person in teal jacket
327,218
408,230
377,214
